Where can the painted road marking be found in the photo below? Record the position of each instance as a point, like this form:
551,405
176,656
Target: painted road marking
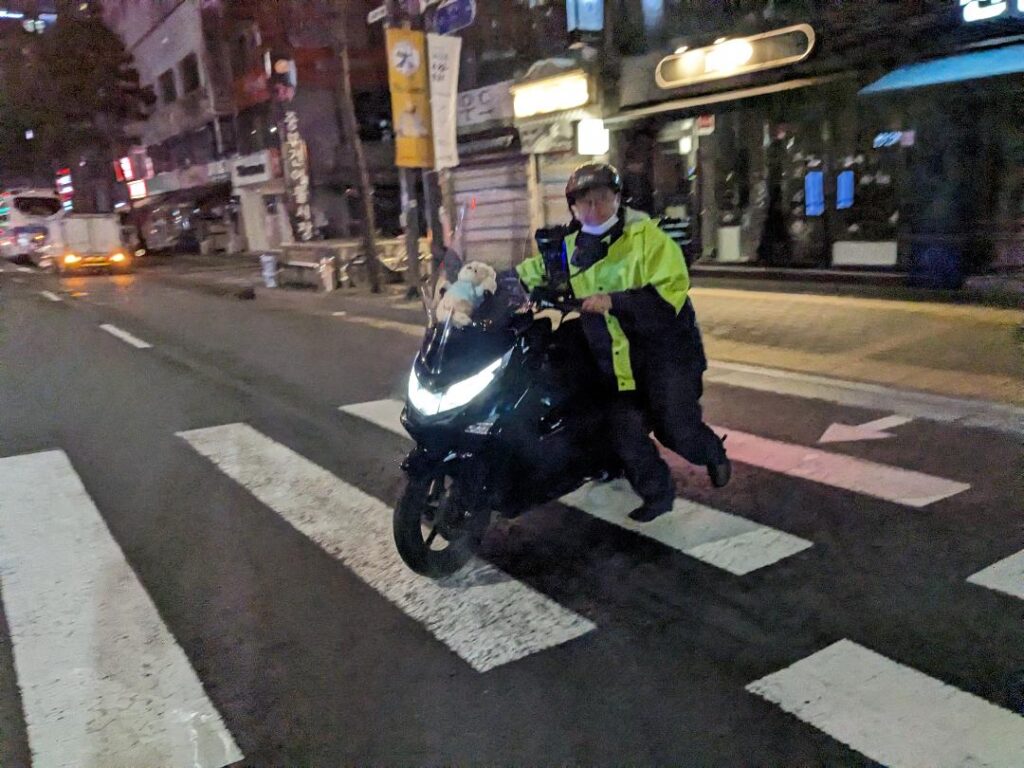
732,543
1006,576
482,614
872,430
50,295
901,486
102,680
409,329
26,270
126,337
893,714
384,413
920,405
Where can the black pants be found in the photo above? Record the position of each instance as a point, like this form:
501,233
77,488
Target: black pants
667,402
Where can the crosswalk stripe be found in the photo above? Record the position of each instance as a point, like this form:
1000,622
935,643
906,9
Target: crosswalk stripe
902,486
734,544
26,270
383,413
1006,576
482,614
102,680
893,714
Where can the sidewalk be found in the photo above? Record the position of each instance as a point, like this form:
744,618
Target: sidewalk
910,342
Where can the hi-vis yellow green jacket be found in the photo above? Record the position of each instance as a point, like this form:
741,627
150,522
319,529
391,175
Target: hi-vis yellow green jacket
645,274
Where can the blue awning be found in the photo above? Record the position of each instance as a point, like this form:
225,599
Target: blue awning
953,69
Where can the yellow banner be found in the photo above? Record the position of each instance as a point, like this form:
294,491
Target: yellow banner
410,98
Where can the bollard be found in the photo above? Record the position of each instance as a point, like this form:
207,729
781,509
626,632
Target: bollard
268,264
328,273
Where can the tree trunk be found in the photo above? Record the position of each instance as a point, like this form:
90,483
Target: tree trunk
348,110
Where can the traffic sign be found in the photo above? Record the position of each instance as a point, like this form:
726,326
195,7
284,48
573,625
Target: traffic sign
453,15
377,14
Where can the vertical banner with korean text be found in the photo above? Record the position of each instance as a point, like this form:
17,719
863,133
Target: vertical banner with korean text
444,97
410,98
282,81
296,176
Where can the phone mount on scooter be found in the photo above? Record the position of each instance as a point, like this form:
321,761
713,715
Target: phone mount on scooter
551,243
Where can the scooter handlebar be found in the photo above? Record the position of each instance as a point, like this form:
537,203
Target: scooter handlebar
546,298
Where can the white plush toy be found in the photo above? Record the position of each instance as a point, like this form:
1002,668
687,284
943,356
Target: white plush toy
465,294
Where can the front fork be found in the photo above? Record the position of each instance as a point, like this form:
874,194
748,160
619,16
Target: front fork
465,468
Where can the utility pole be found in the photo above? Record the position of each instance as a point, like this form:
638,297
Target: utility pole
407,182
348,110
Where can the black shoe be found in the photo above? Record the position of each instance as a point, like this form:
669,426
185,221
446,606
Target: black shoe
720,473
649,511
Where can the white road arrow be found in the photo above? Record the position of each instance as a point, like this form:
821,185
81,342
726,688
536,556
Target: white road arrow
873,430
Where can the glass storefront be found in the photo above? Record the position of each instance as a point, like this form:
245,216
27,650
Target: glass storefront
821,177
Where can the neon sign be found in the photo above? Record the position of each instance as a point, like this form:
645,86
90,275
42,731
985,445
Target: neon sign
985,10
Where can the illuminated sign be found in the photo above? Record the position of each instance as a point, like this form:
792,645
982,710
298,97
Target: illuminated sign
888,139
137,189
592,138
729,57
553,94
584,15
984,10
65,189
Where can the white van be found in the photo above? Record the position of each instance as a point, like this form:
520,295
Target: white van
25,215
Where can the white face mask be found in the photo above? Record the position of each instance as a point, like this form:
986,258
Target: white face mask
601,229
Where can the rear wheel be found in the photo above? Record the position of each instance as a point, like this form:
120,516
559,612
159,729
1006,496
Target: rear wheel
435,531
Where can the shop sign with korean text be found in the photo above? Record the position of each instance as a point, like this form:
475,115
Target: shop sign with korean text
408,77
444,97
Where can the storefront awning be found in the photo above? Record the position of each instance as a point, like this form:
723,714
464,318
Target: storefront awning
952,69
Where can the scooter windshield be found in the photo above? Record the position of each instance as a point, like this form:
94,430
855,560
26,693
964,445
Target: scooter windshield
452,353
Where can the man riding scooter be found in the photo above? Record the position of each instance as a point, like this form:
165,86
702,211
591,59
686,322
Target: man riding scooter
642,330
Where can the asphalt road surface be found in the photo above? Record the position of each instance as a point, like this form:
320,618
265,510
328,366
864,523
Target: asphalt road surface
196,566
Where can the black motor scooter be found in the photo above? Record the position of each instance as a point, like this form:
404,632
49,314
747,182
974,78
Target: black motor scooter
505,416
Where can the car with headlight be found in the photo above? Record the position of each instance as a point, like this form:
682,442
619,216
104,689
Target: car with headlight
84,243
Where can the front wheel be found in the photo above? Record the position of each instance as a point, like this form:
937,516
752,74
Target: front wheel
435,531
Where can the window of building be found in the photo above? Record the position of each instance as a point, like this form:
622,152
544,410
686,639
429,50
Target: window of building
229,140
168,88
190,79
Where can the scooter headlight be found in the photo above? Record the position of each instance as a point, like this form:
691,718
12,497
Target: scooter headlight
458,394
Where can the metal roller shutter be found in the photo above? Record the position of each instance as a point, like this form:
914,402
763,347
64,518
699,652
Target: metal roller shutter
497,223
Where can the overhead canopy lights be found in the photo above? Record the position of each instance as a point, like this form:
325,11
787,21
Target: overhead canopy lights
552,94
736,56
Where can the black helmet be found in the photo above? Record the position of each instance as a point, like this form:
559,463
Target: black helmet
591,176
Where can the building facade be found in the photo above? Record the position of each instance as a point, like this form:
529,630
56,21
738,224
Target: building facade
796,135
785,134
213,179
